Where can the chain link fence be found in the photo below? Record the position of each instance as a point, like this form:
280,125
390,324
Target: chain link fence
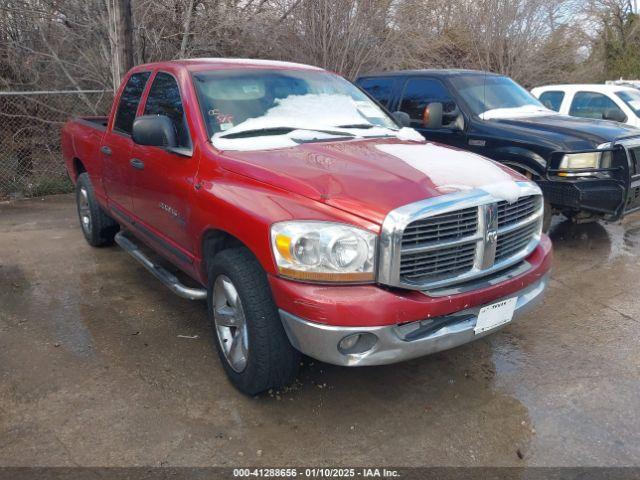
31,161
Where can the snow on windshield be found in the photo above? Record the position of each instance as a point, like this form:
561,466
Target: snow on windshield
456,170
316,111
517,112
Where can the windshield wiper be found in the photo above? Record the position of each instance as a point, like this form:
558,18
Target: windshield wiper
357,125
281,131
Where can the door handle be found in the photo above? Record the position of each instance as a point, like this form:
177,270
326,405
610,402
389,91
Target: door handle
105,149
137,163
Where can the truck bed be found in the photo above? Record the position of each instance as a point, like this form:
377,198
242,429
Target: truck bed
96,122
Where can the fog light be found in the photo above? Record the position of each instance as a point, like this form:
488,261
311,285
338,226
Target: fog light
357,343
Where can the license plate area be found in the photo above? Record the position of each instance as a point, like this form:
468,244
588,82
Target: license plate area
496,314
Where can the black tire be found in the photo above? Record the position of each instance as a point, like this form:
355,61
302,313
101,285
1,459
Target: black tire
98,227
271,361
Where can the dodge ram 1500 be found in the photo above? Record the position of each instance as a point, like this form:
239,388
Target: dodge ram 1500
309,220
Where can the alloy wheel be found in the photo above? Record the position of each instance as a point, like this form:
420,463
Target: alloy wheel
230,322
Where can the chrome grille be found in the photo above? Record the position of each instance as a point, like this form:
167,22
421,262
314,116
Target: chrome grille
514,231
514,241
448,226
438,263
455,238
510,213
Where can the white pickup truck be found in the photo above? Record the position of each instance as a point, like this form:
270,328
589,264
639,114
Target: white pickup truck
603,102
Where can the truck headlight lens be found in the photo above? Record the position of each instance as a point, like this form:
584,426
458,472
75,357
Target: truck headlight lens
324,251
583,160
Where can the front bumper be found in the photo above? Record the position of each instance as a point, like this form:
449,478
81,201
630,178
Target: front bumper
399,342
604,196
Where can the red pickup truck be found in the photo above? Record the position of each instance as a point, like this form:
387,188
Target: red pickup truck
309,220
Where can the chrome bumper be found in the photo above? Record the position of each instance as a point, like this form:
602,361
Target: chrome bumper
396,343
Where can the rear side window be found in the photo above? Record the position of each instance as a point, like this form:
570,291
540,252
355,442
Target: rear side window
129,101
552,100
418,92
592,105
379,88
164,99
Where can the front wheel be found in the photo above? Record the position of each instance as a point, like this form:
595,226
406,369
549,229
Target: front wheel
251,342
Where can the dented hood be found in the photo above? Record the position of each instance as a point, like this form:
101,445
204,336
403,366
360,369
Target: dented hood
369,178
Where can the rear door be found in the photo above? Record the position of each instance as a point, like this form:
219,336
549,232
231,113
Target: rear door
552,99
382,89
162,179
116,145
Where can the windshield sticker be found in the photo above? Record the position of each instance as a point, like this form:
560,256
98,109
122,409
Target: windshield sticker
224,120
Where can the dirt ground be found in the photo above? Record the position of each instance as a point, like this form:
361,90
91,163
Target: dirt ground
101,365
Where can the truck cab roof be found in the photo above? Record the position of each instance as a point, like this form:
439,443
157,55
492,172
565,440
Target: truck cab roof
449,72
199,64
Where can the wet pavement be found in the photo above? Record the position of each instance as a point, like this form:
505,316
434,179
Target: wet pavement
101,365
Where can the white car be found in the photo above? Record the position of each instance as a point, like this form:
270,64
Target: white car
604,102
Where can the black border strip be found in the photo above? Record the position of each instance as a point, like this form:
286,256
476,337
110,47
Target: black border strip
321,472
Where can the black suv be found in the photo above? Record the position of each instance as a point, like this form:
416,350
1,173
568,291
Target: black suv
587,169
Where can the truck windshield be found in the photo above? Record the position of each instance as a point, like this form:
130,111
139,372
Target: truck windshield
631,98
489,96
265,102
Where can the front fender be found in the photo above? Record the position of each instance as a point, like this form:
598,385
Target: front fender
521,159
245,209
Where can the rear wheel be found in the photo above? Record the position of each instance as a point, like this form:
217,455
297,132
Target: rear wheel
251,342
98,228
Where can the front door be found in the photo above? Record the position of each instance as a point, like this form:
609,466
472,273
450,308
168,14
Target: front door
116,145
162,179
417,93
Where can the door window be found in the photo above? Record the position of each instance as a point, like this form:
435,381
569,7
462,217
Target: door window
552,100
164,99
129,101
593,105
379,88
419,92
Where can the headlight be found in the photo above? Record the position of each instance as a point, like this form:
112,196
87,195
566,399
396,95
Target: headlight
323,251
583,160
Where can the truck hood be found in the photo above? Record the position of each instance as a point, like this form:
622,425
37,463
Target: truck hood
570,133
369,178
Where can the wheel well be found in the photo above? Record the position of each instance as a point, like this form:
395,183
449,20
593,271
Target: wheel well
78,167
214,242
522,169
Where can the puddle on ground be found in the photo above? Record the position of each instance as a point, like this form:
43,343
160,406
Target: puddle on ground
603,240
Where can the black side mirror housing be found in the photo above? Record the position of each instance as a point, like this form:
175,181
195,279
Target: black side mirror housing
402,118
154,131
614,114
432,115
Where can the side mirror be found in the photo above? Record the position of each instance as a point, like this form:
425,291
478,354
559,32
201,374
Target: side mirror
614,114
432,115
402,118
154,131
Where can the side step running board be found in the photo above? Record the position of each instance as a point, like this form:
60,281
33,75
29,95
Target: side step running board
169,279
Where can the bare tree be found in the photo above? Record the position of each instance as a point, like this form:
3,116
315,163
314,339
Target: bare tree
92,43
